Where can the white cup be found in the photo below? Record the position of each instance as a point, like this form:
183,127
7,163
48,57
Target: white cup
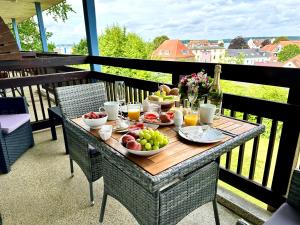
207,112
112,110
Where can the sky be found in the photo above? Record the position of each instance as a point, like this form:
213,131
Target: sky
185,19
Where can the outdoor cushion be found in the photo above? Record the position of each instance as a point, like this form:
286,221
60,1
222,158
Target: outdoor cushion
285,215
11,122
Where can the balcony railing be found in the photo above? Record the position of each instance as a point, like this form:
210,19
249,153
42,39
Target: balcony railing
51,71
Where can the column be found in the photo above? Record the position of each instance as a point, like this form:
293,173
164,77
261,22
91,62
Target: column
39,15
15,28
91,30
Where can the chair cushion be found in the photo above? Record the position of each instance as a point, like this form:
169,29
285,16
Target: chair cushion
285,215
11,122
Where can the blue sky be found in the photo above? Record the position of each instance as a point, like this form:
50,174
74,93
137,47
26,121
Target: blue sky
185,19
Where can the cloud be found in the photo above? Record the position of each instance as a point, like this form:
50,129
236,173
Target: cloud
189,19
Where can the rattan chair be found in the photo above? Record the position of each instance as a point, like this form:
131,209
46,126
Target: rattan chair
289,212
75,101
15,131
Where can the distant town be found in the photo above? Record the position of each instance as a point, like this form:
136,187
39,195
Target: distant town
262,51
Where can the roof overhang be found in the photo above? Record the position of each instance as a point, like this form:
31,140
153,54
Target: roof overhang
22,9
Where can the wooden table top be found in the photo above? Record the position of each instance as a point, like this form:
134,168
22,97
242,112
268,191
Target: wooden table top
177,150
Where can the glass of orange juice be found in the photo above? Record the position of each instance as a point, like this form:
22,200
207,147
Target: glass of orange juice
191,119
134,111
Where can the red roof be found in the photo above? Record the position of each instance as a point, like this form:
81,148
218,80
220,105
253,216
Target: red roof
285,43
173,50
295,60
268,48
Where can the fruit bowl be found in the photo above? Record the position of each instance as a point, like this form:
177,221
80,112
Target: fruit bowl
94,119
165,105
137,144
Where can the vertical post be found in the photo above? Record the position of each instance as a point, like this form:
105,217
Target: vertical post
16,32
91,30
39,15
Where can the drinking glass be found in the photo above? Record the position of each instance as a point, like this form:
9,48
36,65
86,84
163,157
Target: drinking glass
192,94
120,93
134,111
191,118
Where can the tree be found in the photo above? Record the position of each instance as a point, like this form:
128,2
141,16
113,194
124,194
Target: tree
265,42
238,43
281,38
159,40
288,52
80,48
29,32
233,60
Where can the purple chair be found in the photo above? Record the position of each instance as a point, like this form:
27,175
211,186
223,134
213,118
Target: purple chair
16,133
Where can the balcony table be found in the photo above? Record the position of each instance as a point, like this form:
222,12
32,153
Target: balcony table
164,188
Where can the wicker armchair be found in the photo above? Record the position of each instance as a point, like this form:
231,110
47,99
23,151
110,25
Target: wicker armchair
16,133
75,101
289,212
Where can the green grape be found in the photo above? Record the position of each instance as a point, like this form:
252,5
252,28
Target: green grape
157,133
151,142
155,147
165,141
143,141
160,138
157,93
141,134
147,136
148,146
138,140
151,132
156,142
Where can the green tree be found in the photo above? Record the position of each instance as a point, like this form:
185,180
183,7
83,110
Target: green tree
288,52
29,32
233,60
159,40
80,48
281,38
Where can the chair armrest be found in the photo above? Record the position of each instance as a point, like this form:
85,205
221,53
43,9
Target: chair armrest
13,105
294,192
241,222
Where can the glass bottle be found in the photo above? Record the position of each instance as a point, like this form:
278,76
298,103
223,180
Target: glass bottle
215,95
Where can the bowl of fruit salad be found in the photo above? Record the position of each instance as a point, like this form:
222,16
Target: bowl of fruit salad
145,142
94,119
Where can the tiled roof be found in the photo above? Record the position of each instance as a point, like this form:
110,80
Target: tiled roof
172,50
268,48
285,43
249,53
295,60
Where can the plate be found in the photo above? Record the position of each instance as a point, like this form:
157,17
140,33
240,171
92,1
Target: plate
157,122
143,153
201,134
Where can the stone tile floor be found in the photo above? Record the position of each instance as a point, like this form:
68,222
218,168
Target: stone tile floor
39,190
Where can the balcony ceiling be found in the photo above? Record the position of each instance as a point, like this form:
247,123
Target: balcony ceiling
22,9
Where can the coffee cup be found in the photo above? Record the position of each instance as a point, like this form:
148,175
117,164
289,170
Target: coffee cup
207,112
112,110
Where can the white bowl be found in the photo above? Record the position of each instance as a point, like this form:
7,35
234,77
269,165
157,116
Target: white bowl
143,153
95,123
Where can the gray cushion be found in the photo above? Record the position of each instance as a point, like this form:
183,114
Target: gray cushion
285,215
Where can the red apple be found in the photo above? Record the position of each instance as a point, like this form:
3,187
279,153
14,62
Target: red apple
126,138
134,145
134,134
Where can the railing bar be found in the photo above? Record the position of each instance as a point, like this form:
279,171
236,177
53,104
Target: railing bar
130,95
41,101
270,152
33,103
13,92
48,96
126,94
107,91
140,95
241,151
54,94
112,91
229,154
135,95
254,152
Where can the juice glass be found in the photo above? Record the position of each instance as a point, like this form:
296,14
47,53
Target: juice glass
191,119
134,111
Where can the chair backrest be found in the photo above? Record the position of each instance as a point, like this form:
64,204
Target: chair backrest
77,100
294,192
